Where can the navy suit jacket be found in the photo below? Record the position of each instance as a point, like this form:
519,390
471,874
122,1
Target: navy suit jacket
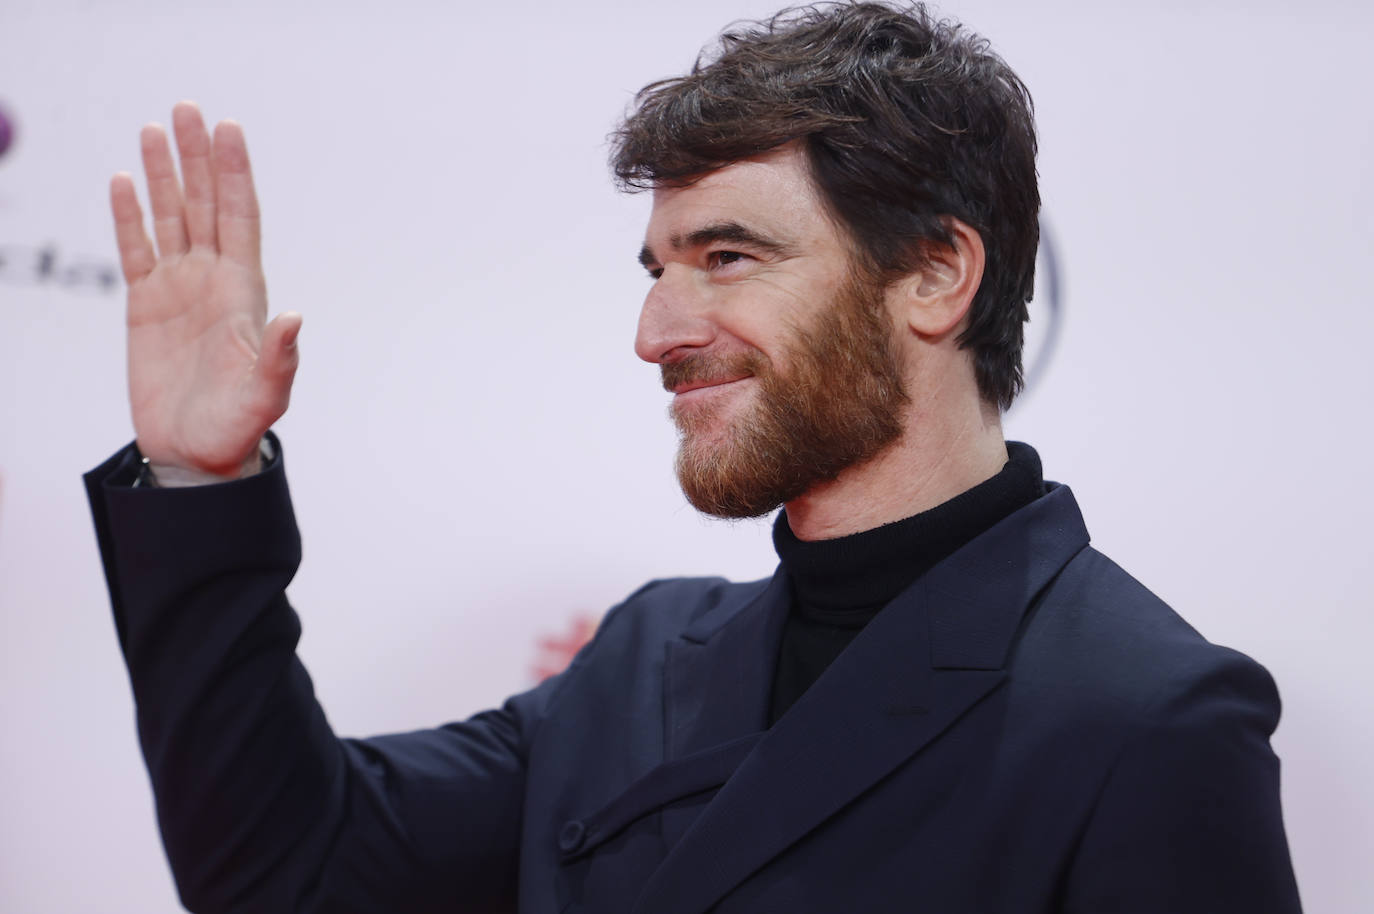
1026,729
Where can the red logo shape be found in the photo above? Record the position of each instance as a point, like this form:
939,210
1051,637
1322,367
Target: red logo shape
555,652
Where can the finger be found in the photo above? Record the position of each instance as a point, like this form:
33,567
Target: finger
236,204
136,255
164,191
194,145
278,359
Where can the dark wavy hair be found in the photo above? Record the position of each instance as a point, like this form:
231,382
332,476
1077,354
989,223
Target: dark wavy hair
905,120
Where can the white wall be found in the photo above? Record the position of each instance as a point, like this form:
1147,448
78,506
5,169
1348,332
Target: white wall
437,205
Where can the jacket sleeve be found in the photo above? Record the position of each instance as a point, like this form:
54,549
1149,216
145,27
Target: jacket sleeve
1189,820
261,807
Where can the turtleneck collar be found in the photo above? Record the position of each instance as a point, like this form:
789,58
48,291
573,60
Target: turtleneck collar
845,581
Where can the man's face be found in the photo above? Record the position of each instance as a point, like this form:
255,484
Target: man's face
781,359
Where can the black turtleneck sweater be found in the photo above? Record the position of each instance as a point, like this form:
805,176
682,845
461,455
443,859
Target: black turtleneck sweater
838,585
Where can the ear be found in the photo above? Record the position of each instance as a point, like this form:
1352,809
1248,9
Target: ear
933,300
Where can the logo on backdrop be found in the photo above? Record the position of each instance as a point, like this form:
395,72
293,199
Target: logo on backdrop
1046,310
48,265
555,652
6,131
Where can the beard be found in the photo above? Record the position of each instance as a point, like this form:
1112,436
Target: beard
835,400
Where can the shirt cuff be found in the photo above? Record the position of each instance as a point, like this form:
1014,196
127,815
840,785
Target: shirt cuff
180,478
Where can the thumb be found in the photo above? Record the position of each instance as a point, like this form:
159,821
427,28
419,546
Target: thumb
277,362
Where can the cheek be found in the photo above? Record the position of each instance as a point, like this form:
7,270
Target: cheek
764,315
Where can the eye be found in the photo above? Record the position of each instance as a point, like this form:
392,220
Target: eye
717,259
655,272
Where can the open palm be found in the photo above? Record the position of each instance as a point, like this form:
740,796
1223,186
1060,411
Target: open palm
207,374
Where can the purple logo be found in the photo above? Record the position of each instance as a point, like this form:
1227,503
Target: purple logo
6,131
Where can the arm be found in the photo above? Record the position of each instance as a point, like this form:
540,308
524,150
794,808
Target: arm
261,808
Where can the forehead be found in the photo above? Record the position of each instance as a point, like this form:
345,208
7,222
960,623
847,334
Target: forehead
772,192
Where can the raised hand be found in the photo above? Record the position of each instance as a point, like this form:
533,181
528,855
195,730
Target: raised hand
207,374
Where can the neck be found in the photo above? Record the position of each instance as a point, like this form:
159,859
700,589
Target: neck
938,457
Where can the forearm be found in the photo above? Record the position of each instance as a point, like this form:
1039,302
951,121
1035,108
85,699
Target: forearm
242,762
261,807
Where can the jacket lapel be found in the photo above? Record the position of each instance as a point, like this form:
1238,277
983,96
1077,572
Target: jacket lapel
923,662
717,681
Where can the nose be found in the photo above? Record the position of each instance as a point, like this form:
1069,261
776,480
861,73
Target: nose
675,318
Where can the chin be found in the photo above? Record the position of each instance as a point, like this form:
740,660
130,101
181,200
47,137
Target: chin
706,445
712,417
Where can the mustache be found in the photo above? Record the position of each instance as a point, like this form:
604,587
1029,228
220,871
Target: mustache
703,367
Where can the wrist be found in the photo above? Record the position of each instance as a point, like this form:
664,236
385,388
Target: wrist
167,476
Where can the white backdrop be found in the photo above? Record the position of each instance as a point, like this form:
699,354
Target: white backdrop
478,458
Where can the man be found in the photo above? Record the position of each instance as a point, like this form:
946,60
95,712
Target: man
944,700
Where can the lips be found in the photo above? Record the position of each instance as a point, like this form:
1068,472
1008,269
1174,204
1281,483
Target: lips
697,384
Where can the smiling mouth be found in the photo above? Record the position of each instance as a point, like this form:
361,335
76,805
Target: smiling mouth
704,383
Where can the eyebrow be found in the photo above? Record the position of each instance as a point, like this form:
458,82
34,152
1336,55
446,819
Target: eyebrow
715,233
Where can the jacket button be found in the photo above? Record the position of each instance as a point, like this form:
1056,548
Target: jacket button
572,836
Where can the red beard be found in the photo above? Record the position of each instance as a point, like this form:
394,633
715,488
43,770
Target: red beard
835,401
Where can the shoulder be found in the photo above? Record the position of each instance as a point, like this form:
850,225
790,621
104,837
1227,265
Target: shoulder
664,608
1113,654
1171,732
629,644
